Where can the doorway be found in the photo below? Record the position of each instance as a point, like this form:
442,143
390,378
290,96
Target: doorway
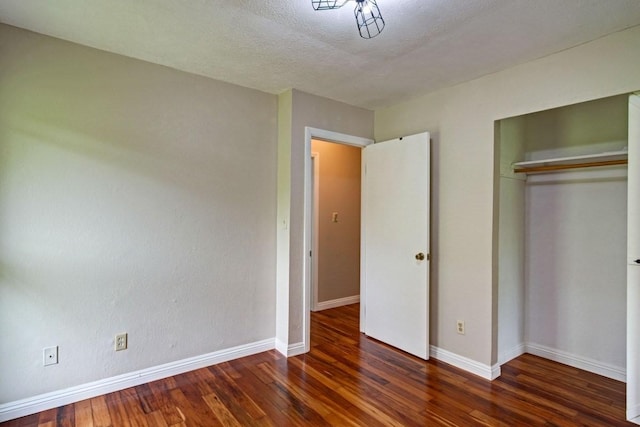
396,178
337,138
335,240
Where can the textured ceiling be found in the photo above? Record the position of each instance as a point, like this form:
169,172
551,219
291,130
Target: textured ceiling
273,45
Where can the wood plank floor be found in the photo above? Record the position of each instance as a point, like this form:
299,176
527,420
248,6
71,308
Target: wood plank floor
350,380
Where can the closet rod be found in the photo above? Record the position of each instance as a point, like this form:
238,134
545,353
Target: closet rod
552,168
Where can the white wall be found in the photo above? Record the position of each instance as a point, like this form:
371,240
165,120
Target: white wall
461,122
576,234
133,198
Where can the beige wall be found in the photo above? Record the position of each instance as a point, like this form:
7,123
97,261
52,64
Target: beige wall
298,110
585,128
338,242
133,198
461,122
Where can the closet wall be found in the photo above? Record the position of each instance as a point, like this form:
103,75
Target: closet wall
511,231
562,288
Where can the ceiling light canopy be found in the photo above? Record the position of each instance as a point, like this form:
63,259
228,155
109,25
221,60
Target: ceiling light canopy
368,17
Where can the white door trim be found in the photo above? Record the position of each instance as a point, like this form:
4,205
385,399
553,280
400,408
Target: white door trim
315,166
325,135
633,275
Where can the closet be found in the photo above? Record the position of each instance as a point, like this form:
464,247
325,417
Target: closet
562,235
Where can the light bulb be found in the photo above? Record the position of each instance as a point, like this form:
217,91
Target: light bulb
366,6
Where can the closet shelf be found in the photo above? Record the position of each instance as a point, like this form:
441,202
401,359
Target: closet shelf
611,158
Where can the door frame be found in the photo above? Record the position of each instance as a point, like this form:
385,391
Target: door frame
339,138
315,184
633,287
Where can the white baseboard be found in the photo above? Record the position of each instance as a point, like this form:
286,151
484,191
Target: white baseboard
584,363
496,371
508,355
493,372
296,349
290,350
42,402
282,347
466,364
325,305
633,414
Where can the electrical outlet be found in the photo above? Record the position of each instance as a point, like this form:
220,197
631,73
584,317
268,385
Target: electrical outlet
460,326
121,341
50,356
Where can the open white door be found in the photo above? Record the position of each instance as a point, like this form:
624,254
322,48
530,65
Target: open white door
395,246
633,263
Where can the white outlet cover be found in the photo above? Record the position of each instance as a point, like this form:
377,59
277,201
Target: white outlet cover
121,342
50,356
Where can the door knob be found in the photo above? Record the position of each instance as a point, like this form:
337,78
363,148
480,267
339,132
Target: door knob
637,261
420,256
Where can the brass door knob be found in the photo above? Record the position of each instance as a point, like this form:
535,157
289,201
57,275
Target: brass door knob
420,256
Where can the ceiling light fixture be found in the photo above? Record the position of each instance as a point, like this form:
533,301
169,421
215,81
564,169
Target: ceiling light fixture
368,16
328,4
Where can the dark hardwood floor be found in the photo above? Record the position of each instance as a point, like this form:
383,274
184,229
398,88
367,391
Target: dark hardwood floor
350,380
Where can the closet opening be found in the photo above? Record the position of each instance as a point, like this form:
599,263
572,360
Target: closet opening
562,235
